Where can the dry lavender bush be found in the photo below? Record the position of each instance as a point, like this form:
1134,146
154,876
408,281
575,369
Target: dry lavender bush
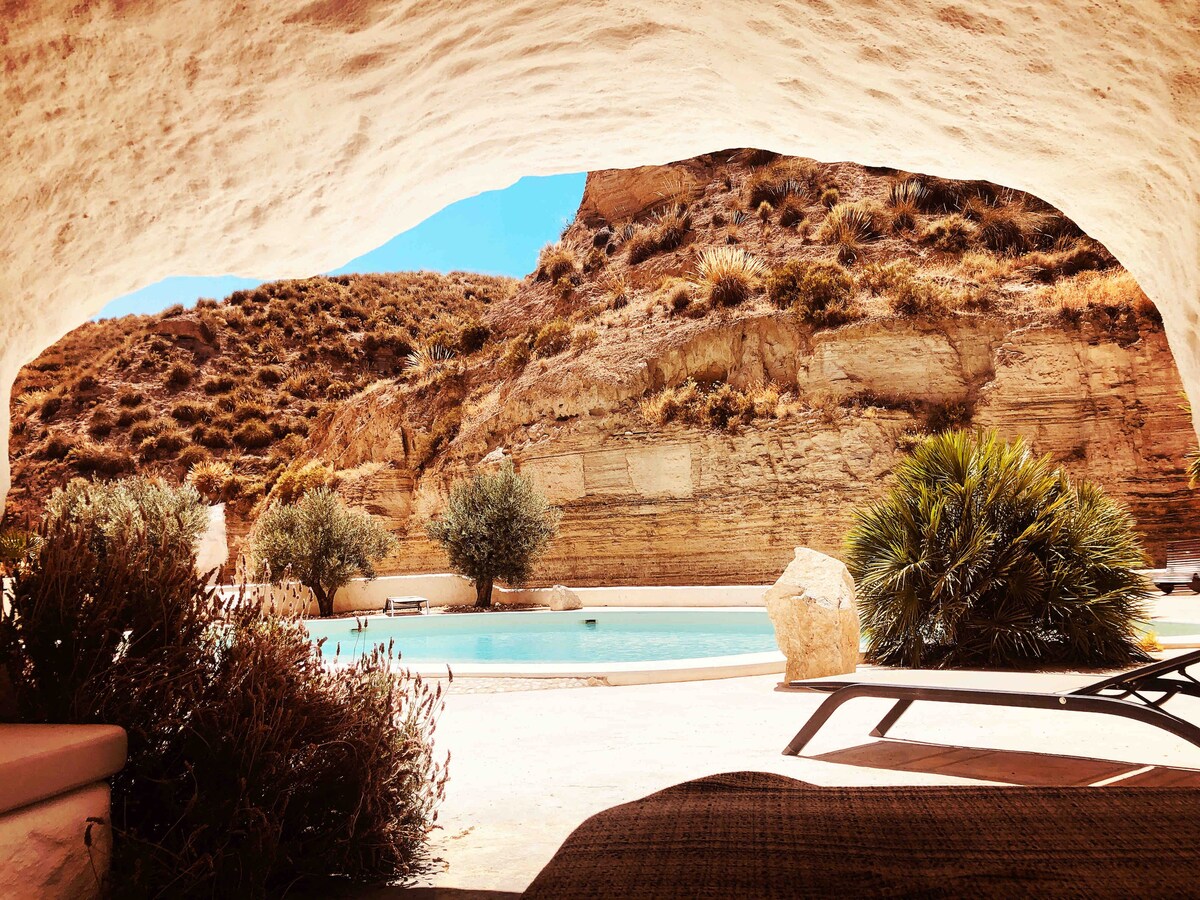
252,763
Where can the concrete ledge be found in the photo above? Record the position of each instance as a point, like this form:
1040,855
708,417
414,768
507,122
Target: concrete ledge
42,761
454,590
700,669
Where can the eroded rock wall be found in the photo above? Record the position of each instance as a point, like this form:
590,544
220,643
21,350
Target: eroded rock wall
679,504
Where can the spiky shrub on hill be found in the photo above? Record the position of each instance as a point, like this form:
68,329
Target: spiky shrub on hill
729,274
320,542
251,762
493,529
984,555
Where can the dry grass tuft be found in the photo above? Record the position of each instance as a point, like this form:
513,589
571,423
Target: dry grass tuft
1091,290
914,296
426,359
1083,255
950,234
849,225
985,267
210,479
666,231
791,212
905,198
1007,229
676,294
729,274
583,337
556,261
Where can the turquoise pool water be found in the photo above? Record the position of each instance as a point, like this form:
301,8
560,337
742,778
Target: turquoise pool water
590,636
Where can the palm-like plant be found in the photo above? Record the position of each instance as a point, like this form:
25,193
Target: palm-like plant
984,555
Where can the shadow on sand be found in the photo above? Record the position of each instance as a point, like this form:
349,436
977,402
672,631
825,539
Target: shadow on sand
1008,766
340,890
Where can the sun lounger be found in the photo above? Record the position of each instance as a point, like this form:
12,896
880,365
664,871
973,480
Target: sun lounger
1183,567
393,605
1138,694
760,835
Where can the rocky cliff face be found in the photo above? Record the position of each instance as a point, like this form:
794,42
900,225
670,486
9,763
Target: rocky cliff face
682,504
959,303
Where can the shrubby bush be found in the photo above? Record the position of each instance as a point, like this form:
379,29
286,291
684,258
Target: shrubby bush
251,763
301,477
493,529
819,291
171,518
320,542
552,338
984,555
719,405
950,234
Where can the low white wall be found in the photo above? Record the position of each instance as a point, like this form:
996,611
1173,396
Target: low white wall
454,590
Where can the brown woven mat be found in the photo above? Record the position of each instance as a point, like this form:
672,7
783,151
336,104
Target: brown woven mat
753,834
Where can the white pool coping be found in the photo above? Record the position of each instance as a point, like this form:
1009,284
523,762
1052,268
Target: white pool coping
614,673
1180,641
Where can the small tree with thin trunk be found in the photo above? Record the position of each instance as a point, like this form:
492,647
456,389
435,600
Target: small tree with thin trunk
494,528
321,542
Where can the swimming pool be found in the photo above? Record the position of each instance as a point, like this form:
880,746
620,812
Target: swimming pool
584,636
619,646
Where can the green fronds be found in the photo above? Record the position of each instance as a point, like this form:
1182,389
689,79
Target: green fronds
984,555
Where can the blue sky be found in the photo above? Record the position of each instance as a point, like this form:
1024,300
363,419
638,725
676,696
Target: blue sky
496,233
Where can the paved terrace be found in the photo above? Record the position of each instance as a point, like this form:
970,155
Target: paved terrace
532,760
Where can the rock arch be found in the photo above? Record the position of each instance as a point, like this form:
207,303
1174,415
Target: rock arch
283,137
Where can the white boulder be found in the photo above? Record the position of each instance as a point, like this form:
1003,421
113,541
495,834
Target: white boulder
563,598
816,622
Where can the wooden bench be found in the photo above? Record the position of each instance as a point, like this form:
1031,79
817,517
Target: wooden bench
394,605
1183,567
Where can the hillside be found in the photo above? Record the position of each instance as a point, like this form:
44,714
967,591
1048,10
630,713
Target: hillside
692,428
235,384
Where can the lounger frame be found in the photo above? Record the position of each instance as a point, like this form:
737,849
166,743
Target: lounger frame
1138,694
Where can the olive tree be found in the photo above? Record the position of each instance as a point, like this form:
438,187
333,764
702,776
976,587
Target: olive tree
493,528
321,542
172,518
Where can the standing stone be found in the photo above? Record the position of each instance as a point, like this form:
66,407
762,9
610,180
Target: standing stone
212,546
563,598
816,621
